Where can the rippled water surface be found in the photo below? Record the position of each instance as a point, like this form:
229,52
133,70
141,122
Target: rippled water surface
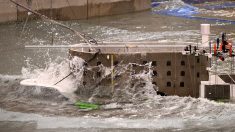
37,108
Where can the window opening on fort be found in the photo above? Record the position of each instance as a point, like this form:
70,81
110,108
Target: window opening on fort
168,84
168,63
198,60
115,63
181,84
84,83
154,83
154,63
198,74
168,73
98,63
182,73
182,63
145,62
154,73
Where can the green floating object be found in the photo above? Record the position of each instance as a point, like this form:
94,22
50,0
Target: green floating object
84,105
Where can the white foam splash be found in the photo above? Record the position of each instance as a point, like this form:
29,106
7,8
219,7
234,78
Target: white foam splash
53,73
159,113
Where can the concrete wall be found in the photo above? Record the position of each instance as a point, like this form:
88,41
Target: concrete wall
57,9
71,9
8,11
112,7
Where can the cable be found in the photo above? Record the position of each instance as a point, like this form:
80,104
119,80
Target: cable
79,34
72,71
64,78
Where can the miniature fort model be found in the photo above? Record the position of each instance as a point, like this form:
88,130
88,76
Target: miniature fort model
173,72
175,69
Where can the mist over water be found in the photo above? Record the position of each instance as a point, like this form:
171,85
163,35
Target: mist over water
131,110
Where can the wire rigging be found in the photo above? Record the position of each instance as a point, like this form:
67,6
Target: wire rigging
87,39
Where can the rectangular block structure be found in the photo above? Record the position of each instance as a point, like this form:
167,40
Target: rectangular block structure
173,72
217,91
219,86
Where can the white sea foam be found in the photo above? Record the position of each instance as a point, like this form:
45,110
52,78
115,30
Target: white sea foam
121,35
53,73
177,113
218,13
90,122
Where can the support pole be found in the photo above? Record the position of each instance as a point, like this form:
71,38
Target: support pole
210,52
112,74
205,32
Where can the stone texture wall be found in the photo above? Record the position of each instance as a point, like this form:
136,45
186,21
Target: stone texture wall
71,9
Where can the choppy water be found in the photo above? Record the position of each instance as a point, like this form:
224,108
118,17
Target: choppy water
49,65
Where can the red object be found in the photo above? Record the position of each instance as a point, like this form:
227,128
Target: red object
220,47
221,58
215,50
230,51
